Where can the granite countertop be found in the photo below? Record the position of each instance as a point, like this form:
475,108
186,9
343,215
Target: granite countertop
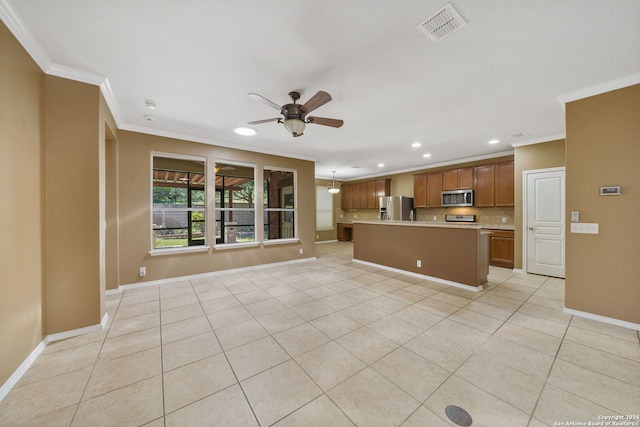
499,227
473,226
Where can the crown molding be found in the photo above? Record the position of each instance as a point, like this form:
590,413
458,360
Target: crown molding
25,37
615,84
427,166
540,140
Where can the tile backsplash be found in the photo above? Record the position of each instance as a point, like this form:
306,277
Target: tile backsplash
484,216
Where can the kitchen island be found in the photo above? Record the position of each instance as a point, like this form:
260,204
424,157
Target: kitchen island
454,254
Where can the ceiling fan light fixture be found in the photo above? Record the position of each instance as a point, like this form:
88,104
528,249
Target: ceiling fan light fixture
333,187
294,126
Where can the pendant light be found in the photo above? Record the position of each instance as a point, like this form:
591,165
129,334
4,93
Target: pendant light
333,187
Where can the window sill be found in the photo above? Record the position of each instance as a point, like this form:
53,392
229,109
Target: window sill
225,246
177,251
280,242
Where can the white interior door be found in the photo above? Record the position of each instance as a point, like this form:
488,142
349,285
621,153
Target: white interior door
544,225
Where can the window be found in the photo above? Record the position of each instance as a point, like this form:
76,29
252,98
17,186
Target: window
235,203
279,208
179,202
324,208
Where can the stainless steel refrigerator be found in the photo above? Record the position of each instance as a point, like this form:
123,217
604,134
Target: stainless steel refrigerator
396,208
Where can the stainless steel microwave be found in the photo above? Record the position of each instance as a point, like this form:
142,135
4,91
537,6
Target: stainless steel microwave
457,198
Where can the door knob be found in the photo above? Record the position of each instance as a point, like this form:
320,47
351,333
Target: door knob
531,228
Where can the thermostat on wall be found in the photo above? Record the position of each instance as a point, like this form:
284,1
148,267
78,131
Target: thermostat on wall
610,191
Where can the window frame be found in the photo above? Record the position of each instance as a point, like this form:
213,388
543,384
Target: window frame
294,210
322,208
182,249
256,200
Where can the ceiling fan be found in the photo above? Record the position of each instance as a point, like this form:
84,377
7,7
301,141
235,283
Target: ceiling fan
295,116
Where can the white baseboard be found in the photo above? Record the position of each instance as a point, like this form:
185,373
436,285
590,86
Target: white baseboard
22,369
205,275
518,271
422,276
603,319
77,332
326,241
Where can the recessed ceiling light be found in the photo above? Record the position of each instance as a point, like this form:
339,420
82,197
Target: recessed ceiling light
494,141
150,104
426,155
380,165
245,131
416,145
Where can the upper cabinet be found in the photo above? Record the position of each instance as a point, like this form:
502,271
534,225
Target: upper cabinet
492,185
346,196
420,190
504,184
484,186
364,195
457,179
434,190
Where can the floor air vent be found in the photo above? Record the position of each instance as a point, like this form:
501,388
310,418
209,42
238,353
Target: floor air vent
445,21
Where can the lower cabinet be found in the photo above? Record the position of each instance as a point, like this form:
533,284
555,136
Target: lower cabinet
345,232
501,248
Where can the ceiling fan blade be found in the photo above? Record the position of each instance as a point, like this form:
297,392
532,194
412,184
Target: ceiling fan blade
257,122
265,101
336,123
316,101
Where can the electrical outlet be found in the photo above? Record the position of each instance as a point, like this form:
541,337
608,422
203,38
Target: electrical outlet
143,271
301,251
435,217
504,219
419,264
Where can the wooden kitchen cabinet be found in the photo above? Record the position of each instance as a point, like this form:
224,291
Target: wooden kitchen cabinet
360,196
484,186
364,195
501,248
346,197
434,190
372,195
420,190
383,188
504,180
457,179
345,232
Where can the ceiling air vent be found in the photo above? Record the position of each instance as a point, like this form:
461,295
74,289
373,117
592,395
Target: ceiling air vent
445,21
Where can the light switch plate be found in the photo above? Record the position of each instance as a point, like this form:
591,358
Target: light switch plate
584,228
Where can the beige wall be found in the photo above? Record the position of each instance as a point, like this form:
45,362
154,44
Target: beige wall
531,157
74,205
134,187
22,206
603,149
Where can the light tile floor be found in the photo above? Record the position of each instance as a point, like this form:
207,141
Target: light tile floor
333,343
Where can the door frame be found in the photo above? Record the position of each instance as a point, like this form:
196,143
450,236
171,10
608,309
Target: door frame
525,217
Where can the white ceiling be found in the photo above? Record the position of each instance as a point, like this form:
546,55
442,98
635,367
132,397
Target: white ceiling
500,75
